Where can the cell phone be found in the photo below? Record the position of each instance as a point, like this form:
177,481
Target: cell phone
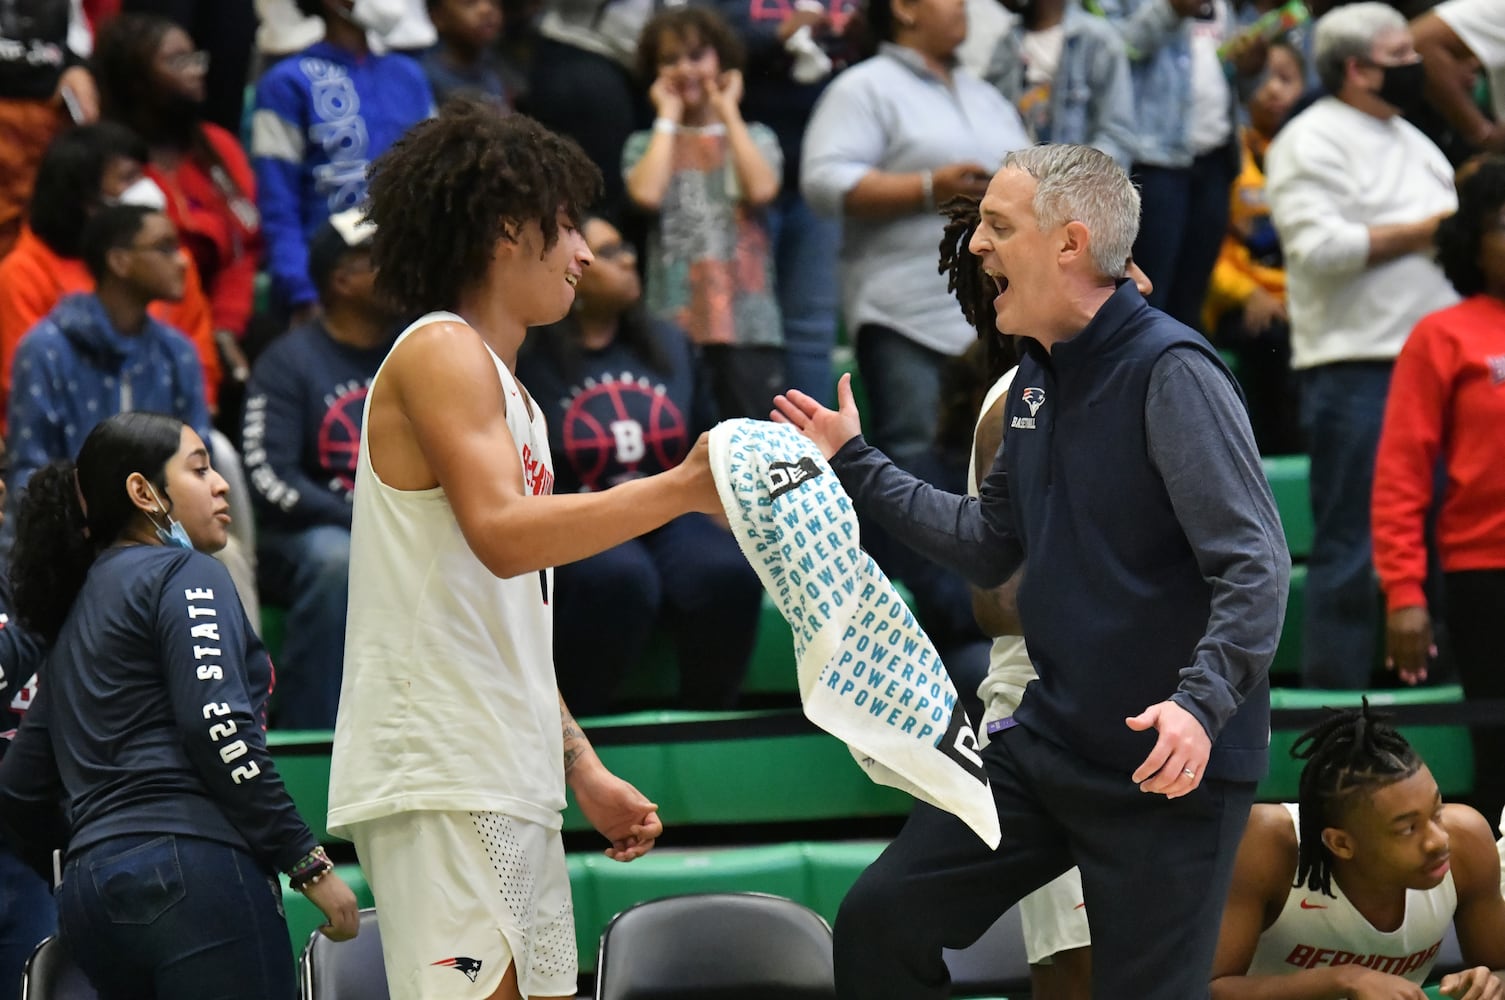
70,101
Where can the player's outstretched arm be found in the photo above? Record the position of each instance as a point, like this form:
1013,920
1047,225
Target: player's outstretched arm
450,422
618,811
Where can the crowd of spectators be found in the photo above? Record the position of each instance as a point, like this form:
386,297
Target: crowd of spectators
774,159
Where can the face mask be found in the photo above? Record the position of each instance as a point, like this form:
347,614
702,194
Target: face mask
1402,86
144,193
174,536
376,16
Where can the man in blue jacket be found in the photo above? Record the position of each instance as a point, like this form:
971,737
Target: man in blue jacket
1151,607
99,354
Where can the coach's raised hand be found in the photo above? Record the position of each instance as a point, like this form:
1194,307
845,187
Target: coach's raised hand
828,428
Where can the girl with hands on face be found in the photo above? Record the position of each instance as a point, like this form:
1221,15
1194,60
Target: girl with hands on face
707,176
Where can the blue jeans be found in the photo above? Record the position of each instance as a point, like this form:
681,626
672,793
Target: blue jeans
309,571
1342,409
903,383
27,915
805,247
689,574
1185,213
163,917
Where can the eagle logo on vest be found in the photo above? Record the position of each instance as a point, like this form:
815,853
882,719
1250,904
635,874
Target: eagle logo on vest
1034,398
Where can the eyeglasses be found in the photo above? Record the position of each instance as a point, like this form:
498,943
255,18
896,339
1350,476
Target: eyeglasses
188,62
616,251
167,248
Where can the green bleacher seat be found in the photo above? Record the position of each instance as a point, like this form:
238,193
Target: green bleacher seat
779,869
302,760
1288,476
833,866
1286,668
1446,749
273,629
802,777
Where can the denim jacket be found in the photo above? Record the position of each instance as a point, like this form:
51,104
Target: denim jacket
1091,97
1158,43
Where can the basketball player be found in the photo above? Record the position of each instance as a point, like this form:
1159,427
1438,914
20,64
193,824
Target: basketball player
1348,893
452,748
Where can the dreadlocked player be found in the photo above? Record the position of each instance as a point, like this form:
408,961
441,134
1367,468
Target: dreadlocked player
1348,893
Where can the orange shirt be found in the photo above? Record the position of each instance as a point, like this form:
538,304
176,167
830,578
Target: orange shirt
33,279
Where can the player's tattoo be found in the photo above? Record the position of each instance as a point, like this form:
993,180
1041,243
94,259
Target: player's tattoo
575,743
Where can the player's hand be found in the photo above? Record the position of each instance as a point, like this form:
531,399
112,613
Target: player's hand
338,904
1473,984
828,428
1183,746
1408,643
619,812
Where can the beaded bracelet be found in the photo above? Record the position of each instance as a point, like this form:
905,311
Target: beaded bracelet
309,869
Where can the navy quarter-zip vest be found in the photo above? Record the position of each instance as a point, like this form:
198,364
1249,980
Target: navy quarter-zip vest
1113,603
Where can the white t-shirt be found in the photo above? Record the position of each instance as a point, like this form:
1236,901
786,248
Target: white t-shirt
1210,124
1315,930
1480,24
284,29
1331,173
449,699
1042,54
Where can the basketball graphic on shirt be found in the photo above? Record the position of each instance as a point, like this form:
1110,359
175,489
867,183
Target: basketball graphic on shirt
339,440
621,427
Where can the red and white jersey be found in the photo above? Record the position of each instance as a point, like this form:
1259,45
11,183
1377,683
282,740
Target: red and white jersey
1315,930
449,699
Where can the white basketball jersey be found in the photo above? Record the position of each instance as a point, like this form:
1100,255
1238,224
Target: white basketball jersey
449,699
1314,930
1009,667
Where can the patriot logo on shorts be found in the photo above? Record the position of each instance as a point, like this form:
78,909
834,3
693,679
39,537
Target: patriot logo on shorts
470,966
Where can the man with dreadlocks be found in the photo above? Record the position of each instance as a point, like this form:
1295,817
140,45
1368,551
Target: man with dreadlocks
1348,892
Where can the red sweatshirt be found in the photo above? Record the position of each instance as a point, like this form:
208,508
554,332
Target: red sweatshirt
1447,397
214,208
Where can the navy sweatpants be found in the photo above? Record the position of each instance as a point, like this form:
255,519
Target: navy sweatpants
1155,875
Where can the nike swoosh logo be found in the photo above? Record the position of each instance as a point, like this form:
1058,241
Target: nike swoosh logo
1079,906
1312,906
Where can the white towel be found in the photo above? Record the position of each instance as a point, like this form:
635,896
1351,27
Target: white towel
868,674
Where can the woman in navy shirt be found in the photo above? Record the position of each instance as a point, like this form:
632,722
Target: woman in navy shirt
619,389
176,820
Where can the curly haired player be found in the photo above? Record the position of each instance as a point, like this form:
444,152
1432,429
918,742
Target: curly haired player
452,748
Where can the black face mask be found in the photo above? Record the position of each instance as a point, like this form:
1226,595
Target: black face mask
1403,86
